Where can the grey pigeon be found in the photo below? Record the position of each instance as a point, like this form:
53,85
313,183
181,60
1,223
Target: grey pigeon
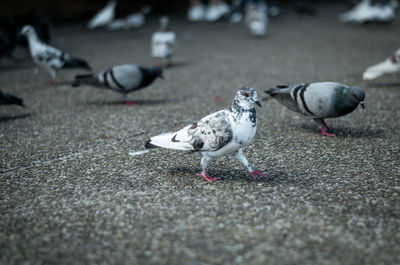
319,100
8,99
218,134
49,57
124,78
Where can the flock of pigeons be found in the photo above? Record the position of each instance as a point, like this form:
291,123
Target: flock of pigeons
220,133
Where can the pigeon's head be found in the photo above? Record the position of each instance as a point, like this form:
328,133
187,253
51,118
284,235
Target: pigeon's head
348,99
356,95
164,23
157,71
246,97
28,30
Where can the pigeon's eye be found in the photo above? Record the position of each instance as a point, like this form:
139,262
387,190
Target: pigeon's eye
245,94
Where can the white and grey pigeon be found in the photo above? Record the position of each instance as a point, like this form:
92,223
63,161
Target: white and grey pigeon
319,100
8,99
388,66
365,11
135,20
124,78
256,19
48,57
104,17
218,134
163,43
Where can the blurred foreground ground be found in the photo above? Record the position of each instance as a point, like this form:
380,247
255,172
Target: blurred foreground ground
71,194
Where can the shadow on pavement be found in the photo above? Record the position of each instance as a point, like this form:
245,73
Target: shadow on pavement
11,118
346,131
123,102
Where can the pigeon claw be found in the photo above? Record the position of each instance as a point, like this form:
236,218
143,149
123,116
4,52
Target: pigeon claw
256,173
208,178
325,133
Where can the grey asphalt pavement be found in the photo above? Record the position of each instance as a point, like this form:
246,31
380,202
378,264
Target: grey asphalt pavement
71,194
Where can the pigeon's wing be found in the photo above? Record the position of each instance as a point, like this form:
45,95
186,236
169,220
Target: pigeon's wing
390,65
209,134
104,16
284,95
50,56
122,78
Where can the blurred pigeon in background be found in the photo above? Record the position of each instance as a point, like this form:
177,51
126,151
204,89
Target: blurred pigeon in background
8,39
135,20
365,11
319,100
163,43
388,66
218,134
49,57
256,18
104,17
8,99
124,78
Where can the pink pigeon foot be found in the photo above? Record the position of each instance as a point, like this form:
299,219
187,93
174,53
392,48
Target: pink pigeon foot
256,173
208,178
130,102
326,126
323,132
50,82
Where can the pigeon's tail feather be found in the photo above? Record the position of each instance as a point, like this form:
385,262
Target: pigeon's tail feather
270,91
168,141
77,63
149,145
9,99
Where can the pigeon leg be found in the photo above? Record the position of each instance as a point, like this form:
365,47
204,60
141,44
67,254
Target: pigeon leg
53,75
324,124
204,164
128,101
252,170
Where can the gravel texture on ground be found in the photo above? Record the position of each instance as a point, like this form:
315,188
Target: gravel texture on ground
71,194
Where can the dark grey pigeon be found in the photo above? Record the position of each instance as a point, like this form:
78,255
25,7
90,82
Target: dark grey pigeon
8,39
8,99
319,100
48,57
218,134
124,78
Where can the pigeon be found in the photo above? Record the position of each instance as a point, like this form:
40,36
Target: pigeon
104,17
218,134
49,57
319,100
256,19
124,78
366,12
390,65
8,99
8,39
163,43
135,20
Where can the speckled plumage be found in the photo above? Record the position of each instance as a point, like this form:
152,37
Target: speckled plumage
218,134
48,57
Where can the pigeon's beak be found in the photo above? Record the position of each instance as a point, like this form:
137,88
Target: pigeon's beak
258,103
362,104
